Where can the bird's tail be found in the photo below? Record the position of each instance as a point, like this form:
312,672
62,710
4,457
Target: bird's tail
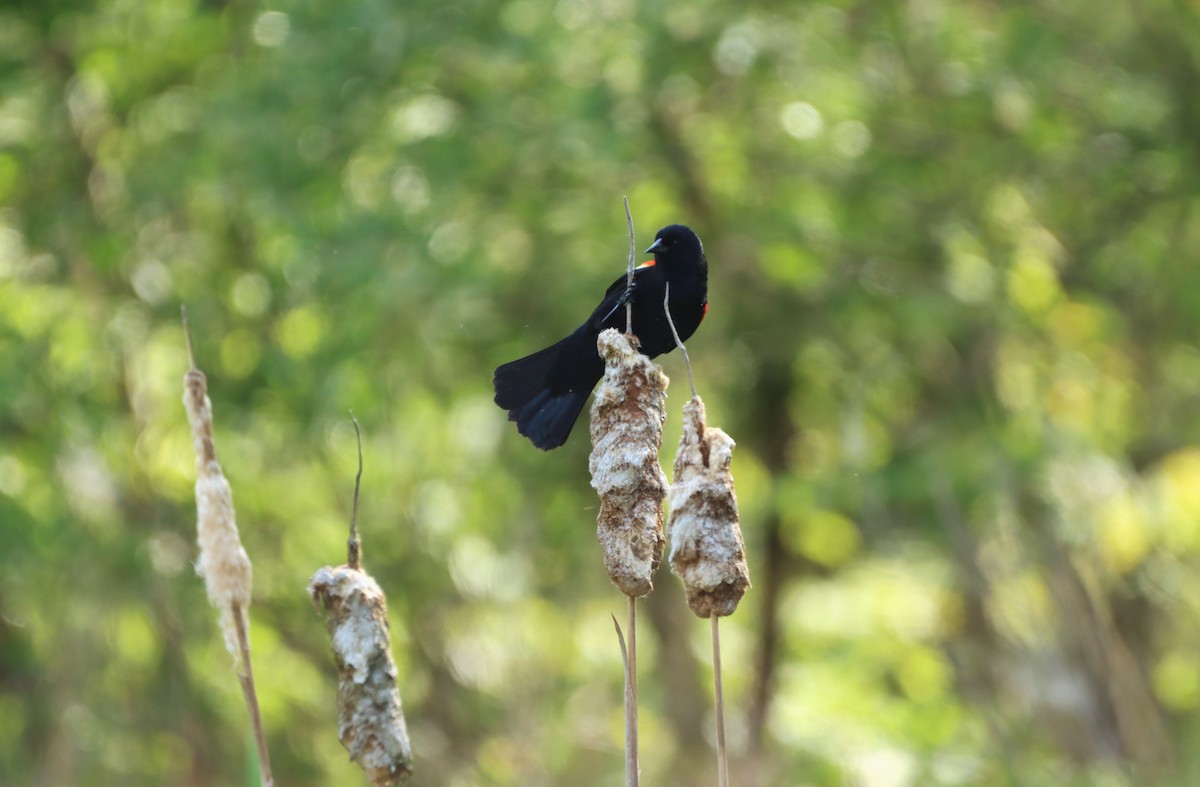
541,395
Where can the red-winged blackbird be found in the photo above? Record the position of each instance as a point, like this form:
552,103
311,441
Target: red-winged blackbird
544,392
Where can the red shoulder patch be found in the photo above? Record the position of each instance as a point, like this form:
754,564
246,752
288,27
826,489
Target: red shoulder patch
647,264
704,313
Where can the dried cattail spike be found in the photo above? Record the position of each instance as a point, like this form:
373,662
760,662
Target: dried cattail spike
707,552
627,418
223,562
370,718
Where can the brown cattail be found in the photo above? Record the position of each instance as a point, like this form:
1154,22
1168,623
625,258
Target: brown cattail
370,718
627,418
223,562
707,552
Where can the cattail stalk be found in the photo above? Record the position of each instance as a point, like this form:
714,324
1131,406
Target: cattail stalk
719,694
629,662
223,561
629,274
626,429
627,417
371,722
707,551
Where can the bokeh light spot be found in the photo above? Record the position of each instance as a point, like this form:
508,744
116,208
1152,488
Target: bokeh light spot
271,28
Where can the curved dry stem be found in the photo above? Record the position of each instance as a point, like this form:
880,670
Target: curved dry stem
679,342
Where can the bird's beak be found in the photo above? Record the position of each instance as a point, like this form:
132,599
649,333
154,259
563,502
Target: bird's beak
655,247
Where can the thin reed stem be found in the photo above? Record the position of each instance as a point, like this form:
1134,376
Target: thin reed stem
187,334
722,754
629,275
354,545
629,659
678,342
246,677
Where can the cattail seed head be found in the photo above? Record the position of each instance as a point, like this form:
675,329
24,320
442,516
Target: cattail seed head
707,551
223,562
626,425
370,717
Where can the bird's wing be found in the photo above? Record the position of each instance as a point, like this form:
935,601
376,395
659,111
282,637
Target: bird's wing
619,284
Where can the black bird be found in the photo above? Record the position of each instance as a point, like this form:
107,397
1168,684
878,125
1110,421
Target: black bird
544,392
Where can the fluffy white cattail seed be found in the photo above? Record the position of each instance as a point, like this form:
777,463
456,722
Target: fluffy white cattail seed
627,418
223,562
370,718
707,552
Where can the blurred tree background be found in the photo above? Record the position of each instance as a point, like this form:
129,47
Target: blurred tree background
955,291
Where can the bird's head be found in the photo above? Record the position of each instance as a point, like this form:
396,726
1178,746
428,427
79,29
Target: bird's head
676,243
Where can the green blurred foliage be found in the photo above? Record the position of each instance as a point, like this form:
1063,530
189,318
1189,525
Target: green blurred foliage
955,306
